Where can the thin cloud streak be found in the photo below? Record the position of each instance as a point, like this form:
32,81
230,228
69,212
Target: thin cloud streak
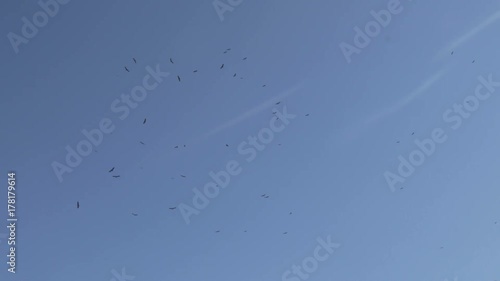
467,36
409,98
233,122
353,132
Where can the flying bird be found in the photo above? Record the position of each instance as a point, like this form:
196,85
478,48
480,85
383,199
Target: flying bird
412,133
234,75
245,58
263,86
290,213
184,145
183,176
77,205
229,49
176,146
307,114
217,231
221,66
134,60
397,142
112,169
178,78
126,69
144,122
278,103
267,196
452,52
173,208
141,142
473,61
134,214
195,71
171,61
285,232
116,176
227,145
263,195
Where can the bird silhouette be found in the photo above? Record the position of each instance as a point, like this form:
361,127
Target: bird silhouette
473,61
245,58
183,176
234,75
142,143
77,205
412,133
452,52
112,169
173,208
195,71
171,61
116,176
267,196
217,231
134,214
278,103
307,114
263,86
126,69
176,146
134,60
290,213
222,66
285,232
397,142
227,145
144,122
263,195
179,78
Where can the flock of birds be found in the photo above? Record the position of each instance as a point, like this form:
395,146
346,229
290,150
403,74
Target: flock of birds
265,196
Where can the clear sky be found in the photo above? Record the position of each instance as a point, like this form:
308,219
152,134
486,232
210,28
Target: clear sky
328,169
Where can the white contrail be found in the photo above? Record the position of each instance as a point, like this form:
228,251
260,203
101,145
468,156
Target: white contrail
464,38
406,100
253,111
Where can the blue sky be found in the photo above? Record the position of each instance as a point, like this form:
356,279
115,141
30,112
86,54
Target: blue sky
326,168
